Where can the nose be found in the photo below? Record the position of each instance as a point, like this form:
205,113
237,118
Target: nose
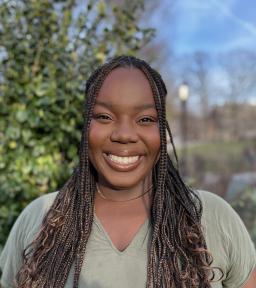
124,132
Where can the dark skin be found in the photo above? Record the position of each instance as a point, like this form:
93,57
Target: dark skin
121,129
126,126
122,221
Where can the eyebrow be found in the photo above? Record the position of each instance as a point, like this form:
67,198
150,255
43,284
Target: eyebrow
139,107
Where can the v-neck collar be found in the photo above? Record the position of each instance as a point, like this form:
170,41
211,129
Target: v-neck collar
140,235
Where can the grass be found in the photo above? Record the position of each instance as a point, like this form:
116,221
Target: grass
217,156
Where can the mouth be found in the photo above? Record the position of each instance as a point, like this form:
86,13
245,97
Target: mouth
123,164
123,160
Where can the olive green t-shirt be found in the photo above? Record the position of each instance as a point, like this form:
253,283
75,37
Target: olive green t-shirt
106,267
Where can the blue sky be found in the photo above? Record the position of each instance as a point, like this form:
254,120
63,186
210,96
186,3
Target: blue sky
212,26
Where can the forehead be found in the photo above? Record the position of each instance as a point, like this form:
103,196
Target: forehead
126,86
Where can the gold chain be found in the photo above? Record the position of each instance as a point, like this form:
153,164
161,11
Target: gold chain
112,200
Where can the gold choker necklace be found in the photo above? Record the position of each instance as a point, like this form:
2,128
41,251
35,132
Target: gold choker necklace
112,200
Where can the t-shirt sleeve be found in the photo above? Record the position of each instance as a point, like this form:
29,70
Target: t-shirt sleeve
242,255
233,240
22,234
11,256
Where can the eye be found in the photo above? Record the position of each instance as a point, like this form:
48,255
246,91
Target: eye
147,120
102,117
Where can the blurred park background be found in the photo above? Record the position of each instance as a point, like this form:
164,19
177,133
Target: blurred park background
205,51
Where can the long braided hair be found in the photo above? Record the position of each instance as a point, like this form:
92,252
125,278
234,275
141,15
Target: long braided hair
178,255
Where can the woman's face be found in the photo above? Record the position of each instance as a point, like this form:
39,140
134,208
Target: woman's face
124,140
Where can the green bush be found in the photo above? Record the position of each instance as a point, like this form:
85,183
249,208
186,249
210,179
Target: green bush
47,50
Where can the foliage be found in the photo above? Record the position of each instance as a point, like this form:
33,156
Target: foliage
245,206
47,50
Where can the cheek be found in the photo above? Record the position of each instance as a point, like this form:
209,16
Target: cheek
152,140
93,136
155,140
94,142
96,136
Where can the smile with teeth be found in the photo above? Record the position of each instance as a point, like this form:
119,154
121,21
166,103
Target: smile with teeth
123,160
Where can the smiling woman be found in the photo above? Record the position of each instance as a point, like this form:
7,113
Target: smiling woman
125,218
124,134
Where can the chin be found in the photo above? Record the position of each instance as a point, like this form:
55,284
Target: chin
124,182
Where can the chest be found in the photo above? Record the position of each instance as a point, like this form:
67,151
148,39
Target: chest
122,230
106,266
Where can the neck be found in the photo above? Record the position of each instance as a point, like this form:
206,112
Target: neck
127,200
120,194
120,203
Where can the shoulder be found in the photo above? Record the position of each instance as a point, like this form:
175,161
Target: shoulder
216,208
211,200
22,233
41,204
219,215
30,219
34,213
227,239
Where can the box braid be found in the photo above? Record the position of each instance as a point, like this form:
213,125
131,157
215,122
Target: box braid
178,256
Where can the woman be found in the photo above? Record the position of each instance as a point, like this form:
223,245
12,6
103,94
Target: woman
125,218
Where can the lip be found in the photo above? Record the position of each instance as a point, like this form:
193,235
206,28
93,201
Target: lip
125,167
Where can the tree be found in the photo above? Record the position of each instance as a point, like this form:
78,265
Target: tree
240,69
195,69
47,50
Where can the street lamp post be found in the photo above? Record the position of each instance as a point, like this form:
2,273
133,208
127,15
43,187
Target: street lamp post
183,96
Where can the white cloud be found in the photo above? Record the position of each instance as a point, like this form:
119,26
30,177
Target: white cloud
191,15
195,17
226,9
243,41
